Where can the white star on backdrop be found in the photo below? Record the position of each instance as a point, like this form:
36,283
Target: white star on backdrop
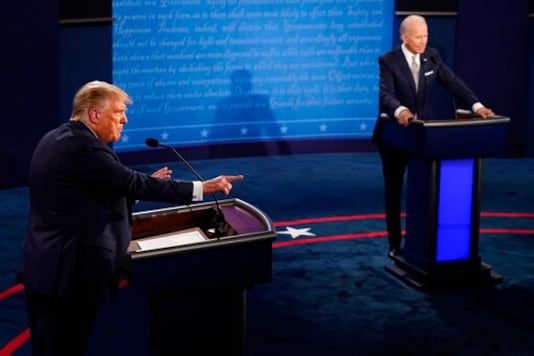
283,129
204,133
323,127
164,136
244,130
125,138
363,126
296,232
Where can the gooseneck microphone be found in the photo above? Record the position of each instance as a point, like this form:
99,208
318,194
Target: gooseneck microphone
435,59
219,221
152,142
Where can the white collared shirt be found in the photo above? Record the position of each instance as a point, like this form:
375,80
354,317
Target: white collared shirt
408,55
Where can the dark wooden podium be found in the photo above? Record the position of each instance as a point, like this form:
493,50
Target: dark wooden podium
443,199
197,290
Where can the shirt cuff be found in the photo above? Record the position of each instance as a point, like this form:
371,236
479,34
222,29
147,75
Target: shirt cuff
477,106
197,191
398,111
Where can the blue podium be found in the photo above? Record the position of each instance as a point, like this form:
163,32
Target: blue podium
443,200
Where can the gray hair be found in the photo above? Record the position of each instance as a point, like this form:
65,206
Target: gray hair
408,21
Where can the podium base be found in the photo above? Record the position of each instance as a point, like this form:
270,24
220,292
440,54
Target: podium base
443,277
197,322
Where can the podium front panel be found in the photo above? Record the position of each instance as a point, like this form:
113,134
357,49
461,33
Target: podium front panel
442,223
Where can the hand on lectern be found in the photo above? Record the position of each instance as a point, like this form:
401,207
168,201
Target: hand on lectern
485,112
405,116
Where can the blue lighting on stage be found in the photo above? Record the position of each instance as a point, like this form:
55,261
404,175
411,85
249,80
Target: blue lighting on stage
455,209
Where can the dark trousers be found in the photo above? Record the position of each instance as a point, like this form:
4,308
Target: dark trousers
59,326
394,162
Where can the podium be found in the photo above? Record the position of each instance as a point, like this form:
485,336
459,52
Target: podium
443,200
197,289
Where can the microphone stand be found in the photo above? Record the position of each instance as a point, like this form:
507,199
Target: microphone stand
219,221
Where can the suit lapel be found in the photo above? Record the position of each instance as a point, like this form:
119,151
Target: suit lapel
426,67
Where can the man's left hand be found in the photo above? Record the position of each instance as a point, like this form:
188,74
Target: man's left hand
484,112
164,173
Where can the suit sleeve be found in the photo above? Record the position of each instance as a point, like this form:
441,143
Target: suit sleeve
447,78
98,167
388,96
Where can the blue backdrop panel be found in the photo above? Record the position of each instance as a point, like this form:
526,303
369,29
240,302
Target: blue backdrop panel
203,72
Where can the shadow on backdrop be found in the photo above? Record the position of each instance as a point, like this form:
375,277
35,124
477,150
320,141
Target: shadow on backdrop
246,116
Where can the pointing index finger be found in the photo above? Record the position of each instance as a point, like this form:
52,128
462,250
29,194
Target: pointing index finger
234,178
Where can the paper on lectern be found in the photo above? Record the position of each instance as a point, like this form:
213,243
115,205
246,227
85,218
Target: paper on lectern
172,239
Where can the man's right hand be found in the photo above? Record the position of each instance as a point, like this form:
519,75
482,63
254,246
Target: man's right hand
404,117
221,184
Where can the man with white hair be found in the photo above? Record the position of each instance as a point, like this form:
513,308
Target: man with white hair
408,75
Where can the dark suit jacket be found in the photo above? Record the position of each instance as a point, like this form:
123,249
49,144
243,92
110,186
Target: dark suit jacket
398,88
79,218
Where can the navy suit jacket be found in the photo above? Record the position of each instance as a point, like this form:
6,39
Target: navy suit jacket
397,87
79,218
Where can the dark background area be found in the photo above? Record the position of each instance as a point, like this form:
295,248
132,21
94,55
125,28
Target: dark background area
425,5
84,9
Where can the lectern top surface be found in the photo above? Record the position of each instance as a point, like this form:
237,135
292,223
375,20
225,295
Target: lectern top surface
494,120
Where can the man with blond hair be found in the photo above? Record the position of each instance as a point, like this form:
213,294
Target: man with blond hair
79,219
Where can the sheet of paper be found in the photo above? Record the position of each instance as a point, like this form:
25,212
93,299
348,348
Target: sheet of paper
171,240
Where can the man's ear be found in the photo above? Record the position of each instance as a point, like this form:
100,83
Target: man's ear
93,115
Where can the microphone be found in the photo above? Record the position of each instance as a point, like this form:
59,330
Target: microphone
435,59
218,222
152,142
